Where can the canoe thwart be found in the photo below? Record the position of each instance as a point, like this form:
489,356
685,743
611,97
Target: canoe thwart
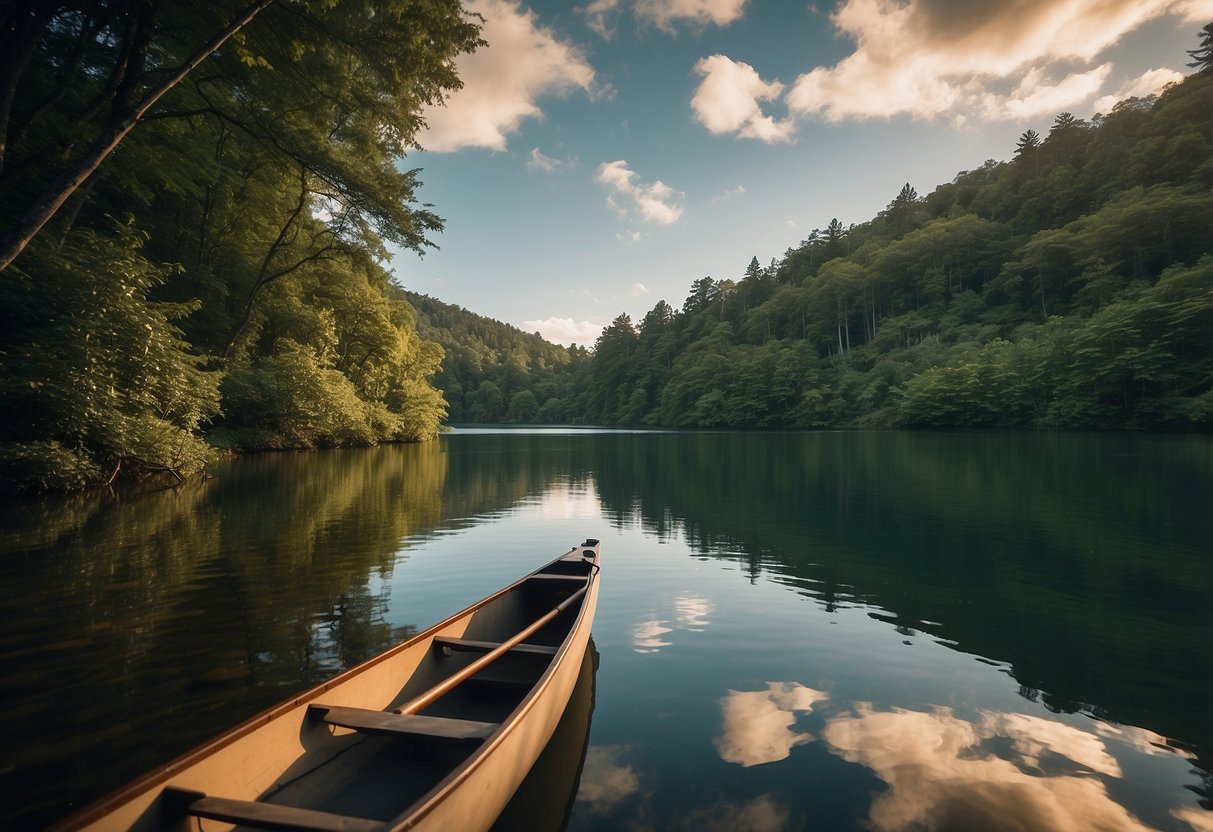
264,815
461,645
385,722
546,576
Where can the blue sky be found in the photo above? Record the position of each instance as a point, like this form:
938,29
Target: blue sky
604,154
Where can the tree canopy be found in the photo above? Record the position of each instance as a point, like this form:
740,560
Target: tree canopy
214,278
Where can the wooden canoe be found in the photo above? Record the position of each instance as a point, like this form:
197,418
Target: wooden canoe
436,733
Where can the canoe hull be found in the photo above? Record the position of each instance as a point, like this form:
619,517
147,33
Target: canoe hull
287,747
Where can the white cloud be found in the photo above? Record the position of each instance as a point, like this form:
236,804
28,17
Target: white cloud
504,80
759,726
565,330
724,196
1149,83
546,164
928,58
1035,95
605,782
664,14
639,290
727,101
599,16
937,765
629,236
649,201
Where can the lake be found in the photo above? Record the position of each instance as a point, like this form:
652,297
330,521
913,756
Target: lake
834,630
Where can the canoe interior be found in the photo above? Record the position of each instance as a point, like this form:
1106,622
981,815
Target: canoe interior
364,750
379,777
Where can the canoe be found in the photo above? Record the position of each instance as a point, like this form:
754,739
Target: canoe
544,802
436,733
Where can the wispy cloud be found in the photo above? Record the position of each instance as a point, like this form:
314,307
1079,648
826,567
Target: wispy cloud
565,330
543,163
1150,82
653,202
725,196
727,101
601,15
504,80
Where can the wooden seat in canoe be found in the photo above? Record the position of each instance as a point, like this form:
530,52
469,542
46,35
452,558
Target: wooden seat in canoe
464,645
385,722
264,815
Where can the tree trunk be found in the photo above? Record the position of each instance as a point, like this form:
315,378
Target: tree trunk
48,203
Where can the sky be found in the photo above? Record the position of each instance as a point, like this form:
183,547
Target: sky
604,154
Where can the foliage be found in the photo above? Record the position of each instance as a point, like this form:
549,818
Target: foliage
1068,288
95,375
259,195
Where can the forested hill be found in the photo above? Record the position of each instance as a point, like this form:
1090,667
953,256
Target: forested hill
1069,287
493,371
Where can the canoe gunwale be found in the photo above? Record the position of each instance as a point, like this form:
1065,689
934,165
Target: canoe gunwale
98,809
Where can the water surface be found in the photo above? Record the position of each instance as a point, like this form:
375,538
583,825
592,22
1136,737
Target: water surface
819,630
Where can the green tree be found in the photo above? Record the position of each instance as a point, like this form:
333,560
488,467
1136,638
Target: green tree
1202,56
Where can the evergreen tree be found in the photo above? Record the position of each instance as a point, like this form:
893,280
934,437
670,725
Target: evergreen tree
1202,56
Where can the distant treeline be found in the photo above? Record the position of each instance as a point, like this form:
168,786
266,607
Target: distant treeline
1071,287
213,276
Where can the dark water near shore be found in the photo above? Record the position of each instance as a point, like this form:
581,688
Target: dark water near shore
826,630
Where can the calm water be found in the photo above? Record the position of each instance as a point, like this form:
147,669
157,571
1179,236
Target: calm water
830,631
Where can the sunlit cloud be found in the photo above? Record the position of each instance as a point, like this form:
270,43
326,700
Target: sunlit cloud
602,15
647,635
758,725
665,13
1199,819
944,771
653,202
1141,740
504,81
946,59
565,501
604,781
639,290
543,163
725,196
727,101
762,814
693,612
929,58
565,330
1149,83
1033,737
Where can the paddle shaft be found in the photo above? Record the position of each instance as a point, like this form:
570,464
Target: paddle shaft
418,702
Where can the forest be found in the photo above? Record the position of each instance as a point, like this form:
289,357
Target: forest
1070,287
196,205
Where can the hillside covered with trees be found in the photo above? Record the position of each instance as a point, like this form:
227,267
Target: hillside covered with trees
195,204
494,372
1069,287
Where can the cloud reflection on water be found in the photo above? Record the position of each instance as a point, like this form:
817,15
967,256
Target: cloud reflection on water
690,615
758,725
605,782
1002,771
943,772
